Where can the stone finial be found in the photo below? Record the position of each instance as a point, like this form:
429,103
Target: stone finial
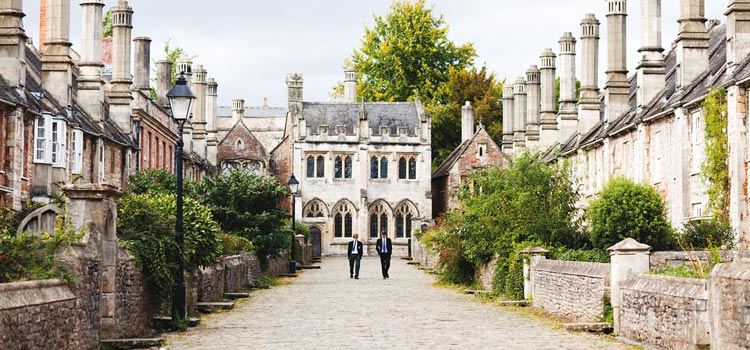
629,245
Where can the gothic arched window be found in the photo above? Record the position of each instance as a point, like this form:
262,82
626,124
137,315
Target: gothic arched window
342,220
315,166
320,165
315,209
310,166
404,214
378,215
384,167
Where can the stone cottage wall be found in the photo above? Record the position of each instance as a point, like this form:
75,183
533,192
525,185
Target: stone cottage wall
670,312
729,286
570,289
485,274
134,306
210,283
235,273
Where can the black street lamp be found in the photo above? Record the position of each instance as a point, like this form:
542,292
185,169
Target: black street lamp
181,102
293,187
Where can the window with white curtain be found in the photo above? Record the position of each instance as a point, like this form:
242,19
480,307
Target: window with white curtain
77,150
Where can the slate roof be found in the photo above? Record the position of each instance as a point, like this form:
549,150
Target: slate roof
379,114
449,162
254,112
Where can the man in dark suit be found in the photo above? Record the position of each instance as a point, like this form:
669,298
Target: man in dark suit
385,249
354,252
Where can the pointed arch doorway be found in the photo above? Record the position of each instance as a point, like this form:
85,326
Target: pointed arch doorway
316,242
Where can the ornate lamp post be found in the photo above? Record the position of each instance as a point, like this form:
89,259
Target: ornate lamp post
181,102
293,187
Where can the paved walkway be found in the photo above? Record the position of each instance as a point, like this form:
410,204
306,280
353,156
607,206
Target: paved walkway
324,309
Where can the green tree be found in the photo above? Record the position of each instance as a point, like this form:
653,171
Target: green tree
173,54
107,24
157,181
477,86
407,51
247,206
626,209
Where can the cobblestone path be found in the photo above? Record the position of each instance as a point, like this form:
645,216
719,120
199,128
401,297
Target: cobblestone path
325,309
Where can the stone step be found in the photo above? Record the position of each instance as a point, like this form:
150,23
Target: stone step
415,263
210,307
406,258
165,322
235,296
287,275
476,292
311,267
594,327
521,303
124,344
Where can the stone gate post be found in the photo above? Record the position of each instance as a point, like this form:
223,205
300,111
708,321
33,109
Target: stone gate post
627,257
531,256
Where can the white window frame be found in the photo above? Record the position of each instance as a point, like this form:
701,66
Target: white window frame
42,144
59,143
76,138
696,138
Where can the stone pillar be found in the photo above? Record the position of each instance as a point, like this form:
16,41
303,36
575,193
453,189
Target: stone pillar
568,105
651,70
120,97
200,88
533,100
737,142
90,82
692,42
143,64
57,73
519,114
531,255
467,122
738,32
548,123
589,105
508,109
93,209
617,88
12,43
163,81
294,83
627,258
212,141
350,85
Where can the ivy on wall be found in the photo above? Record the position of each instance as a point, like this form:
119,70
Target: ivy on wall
715,169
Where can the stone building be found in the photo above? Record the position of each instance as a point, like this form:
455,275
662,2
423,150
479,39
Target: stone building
363,167
648,126
477,151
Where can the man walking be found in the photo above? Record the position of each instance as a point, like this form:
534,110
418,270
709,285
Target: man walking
354,252
384,248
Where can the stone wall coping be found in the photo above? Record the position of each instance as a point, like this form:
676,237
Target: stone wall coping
22,294
92,191
691,288
629,246
576,268
661,257
739,271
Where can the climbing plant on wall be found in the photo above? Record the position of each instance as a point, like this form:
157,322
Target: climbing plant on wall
715,169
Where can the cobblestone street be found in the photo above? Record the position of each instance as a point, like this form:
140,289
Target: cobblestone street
325,309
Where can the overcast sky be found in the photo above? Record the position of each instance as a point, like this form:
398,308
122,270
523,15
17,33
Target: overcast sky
250,46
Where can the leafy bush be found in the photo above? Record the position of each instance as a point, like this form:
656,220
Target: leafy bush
706,234
302,229
453,266
146,227
247,206
626,209
508,278
234,245
676,271
587,255
157,181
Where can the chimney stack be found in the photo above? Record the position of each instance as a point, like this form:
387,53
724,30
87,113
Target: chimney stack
143,63
589,105
568,109
212,140
57,72
238,110
350,85
519,114
163,81
692,42
738,32
185,67
467,122
548,123
120,96
617,89
508,109
651,70
12,43
90,82
200,88
533,100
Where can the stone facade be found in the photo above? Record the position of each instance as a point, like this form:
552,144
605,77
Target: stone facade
569,289
729,287
670,312
378,158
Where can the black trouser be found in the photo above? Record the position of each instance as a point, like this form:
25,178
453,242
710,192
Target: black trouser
352,259
385,263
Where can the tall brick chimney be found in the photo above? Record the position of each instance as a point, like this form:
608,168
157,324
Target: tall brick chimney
568,109
589,105
617,88
651,70
90,83
533,100
692,42
57,74
12,43
120,97
142,72
548,124
519,114
508,109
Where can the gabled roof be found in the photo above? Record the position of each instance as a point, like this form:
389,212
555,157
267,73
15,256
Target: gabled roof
459,151
379,114
253,149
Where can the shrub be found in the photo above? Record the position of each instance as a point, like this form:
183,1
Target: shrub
234,245
454,267
157,180
146,227
626,209
587,255
706,234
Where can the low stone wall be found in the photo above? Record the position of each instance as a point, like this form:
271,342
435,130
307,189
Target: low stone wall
422,255
570,289
729,286
134,305
674,258
278,265
670,312
210,283
41,315
235,273
486,274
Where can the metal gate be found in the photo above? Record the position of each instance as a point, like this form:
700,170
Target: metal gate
315,235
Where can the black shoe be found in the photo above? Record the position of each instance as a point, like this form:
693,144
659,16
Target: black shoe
351,276
356,278
383,277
